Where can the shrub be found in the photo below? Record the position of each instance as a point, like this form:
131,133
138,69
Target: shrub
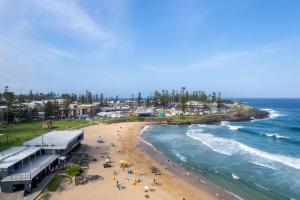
54,183
72,170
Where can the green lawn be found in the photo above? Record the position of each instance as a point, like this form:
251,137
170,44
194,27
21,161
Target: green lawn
20,132
72,170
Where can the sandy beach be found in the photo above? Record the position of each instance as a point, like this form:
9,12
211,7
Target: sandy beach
122,143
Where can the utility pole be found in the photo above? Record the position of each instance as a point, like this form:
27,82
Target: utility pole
42,132
7,125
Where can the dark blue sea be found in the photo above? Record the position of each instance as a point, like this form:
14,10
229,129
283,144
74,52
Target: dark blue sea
255,160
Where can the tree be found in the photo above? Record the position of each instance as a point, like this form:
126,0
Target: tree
139,98
148,101
82,99
97,98
66,105
49,109
214,97
219,101
89,98
156,98
55,109
173,96
8,96
101,99
183,89
182,99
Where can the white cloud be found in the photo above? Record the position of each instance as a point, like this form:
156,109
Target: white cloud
219,60
32,38
231,59
65,17
68,14
60,52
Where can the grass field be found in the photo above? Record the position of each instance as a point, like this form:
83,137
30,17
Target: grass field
16,134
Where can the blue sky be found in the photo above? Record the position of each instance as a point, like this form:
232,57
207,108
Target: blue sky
243,48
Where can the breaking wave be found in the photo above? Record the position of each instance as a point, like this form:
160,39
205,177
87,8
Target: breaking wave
144,129
179,156
263,165
276,136
273,113
231,127
235,177
231,147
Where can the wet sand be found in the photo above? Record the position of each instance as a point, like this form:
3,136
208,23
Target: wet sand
172,184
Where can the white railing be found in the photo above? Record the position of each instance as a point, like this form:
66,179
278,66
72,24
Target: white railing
28,175
19,176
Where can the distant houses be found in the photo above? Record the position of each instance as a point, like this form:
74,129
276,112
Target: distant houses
164,103
130,108
194,107
110,109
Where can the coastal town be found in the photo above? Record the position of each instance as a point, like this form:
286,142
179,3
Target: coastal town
55,156
149,100
164,104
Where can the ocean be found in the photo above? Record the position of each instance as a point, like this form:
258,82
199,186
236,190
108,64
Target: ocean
254,160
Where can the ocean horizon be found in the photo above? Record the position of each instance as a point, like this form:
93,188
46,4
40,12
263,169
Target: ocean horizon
253,160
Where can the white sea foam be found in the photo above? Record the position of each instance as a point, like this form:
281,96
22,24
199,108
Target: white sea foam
179,156
262,165
273,113
202,125
234,195
232,147
148,143
196,130
262,187
231,127
224,123
235,177
144,141
253,119
144,129
234,128
275,135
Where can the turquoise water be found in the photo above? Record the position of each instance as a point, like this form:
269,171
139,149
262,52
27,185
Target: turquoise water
254,160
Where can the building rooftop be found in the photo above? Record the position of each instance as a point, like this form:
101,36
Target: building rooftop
13,155
194,103
54,139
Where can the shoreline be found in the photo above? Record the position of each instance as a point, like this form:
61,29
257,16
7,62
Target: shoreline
122,143
182,173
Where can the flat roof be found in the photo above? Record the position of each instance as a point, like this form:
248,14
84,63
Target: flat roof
54,139
13,155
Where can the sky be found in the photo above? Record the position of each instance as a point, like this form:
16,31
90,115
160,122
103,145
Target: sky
242,48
